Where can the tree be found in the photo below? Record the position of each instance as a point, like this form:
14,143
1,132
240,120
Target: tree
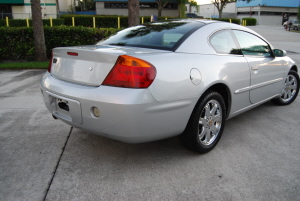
85,5
133,12
57,7
38,31
220,4
298,14
193,3
161,4
181,8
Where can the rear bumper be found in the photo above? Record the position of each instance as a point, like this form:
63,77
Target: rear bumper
128,115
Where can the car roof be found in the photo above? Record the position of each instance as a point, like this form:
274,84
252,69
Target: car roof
205,21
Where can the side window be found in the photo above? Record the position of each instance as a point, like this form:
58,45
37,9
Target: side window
252,45
223,43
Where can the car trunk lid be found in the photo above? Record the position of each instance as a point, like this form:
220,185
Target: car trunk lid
89,65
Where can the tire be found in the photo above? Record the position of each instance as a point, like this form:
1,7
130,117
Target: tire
206,124
290,89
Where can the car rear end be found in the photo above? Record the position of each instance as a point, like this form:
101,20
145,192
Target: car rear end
89,89
104,89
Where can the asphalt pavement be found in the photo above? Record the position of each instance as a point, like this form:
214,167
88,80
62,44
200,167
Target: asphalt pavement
257,158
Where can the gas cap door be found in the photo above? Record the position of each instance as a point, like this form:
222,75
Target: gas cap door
195,76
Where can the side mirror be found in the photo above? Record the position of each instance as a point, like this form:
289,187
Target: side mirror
279,53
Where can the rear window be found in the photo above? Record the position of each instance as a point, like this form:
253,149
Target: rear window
159,35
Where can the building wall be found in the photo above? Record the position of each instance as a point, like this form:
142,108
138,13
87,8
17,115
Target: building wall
210,11
277,3
101,10
64,5
265,20
48,8
265,15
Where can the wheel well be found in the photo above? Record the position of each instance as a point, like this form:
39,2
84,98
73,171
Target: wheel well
225,93
294,68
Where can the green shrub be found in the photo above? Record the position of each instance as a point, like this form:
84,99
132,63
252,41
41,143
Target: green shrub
17,42
22,23
250,21
2,23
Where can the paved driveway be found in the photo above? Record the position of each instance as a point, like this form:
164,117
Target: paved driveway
43,159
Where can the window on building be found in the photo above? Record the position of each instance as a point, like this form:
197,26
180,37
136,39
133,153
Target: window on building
5,11
142,5
270,13
248,13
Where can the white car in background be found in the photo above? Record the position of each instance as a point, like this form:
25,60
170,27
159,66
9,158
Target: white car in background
295,24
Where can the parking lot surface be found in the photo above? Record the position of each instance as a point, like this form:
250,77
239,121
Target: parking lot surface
41,158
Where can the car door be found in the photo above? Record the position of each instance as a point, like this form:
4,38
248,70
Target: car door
266,72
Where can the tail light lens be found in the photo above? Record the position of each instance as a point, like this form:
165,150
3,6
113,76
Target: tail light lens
131,72
50,63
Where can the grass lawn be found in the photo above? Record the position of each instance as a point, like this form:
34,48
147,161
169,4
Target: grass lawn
295,31
24,65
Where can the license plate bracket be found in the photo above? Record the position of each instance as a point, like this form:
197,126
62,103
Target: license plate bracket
65,108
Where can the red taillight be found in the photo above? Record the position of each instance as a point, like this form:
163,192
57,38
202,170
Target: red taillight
50,63
72,53
130,72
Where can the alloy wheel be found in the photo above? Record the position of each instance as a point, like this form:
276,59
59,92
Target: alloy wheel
210,122
290,88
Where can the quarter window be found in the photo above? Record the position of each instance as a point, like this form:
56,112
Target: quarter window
223,43
251,44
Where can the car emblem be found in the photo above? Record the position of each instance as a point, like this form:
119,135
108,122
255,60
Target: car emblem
90,68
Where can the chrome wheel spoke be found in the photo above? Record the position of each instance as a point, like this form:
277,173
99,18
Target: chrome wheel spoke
284,96
293,87
203,122
215,129
203,133
207,137
292,81
283,92
207,110
217,118
214,108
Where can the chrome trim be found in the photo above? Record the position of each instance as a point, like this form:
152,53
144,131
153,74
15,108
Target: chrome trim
266,83
257,86
242,90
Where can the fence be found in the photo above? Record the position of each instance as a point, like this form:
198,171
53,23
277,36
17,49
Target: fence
95,22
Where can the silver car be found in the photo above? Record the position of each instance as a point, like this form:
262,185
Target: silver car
294,24
176,78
